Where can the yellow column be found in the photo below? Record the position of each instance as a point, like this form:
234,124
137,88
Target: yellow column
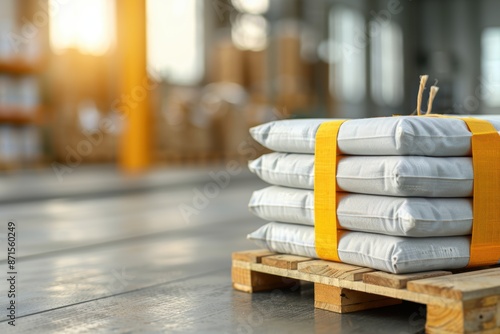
135,144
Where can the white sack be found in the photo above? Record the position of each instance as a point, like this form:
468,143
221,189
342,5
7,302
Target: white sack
403,135
377,175
388,253
414,216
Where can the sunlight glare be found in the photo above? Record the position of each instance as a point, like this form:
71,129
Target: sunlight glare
86,25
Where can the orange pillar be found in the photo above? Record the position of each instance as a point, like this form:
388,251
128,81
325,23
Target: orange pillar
134,155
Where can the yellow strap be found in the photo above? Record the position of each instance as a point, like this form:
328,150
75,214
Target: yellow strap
485,242
325,191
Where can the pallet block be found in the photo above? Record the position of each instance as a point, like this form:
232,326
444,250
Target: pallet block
465,302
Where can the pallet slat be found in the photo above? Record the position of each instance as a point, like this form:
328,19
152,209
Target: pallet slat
253,256
399,281
456,303
284,261
464,286
342,300
334,269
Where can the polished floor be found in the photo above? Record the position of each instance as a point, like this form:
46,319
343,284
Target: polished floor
101,253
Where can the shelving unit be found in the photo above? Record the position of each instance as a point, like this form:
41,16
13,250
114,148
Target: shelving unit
21,115
21,66
12,117
21,105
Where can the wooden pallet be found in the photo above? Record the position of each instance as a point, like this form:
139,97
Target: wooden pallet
466,302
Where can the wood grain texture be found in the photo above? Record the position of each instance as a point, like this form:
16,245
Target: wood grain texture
464,286
481,315
333,269
399,281
462,303
250,281
437,290
253,256
343,300
284,261
319,277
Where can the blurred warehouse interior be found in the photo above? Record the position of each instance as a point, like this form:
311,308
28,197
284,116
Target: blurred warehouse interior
142,83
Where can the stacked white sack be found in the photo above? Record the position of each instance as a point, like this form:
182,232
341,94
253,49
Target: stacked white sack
406,185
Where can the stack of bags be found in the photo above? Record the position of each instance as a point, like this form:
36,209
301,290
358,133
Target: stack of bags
405,186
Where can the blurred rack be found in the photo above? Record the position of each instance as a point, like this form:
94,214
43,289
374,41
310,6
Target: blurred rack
15,116
21,66
22,111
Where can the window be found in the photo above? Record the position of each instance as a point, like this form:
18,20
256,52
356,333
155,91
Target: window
346,54
256,7
86,25
490,66
7,26
249,28
386,63
249,32
175,40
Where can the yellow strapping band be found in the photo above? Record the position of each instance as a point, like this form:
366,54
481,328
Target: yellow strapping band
485,241
325,191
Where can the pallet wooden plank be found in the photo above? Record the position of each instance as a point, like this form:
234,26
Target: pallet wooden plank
342,300
252,256
284,261
334,269
345,283
442,319
469,304
251,281
480,315
399,281
464,286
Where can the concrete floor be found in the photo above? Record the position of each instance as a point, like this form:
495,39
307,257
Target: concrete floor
101,253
